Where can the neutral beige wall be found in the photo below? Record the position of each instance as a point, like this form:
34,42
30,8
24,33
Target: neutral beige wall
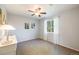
69,29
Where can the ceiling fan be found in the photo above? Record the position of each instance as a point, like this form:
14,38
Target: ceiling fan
37,12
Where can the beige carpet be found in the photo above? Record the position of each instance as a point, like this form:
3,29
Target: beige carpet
42,47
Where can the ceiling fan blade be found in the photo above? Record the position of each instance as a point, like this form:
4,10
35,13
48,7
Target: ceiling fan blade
30,11
42,12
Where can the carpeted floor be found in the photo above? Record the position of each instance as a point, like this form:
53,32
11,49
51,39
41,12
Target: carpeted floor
42,47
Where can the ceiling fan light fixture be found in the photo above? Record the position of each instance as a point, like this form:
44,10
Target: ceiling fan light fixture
37,12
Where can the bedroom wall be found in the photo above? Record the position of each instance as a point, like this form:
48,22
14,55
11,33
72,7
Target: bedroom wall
41,23
68,35
18,22
69,29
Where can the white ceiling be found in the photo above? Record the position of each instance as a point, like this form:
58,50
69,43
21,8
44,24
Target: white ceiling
51,9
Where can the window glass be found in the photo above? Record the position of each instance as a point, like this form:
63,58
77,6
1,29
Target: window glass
50,26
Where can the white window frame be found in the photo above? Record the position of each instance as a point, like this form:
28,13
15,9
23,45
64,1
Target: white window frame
46,25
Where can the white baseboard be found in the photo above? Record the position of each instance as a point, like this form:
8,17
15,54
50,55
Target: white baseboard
69,47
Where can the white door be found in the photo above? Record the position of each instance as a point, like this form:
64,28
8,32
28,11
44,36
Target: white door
51,35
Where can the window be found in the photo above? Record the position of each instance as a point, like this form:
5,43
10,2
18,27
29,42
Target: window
50,26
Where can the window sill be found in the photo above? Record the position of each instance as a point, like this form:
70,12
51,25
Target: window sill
50,32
